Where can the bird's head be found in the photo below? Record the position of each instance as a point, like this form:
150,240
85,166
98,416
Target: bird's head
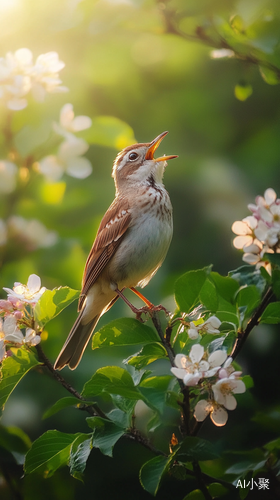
136,164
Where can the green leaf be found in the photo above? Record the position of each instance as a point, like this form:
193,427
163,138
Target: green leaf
188,287
228,317
154,389
242,91
124,331
147,355
13,370
208,295
110,131
105,434
273,258
249,297
194,448
53,302
16,442
226,287
111,380
248,381
248,275
276,282
64,403
195,495
152,472
269,76
273,445
79,454
217,490
49,452
29,138
271,314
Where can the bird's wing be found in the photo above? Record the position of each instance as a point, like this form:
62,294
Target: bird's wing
111,230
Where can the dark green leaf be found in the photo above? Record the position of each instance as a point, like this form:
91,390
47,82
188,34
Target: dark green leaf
271,314
79,454
154,390
276,282
53,302
113,380
248,275
217,490
208,295
147,355
15,441
273,258
226,286
13,369
124,331
195,495
105,434
248,297
188,287
273,445
194,448
248,381
152,472
228,317
49,452
63,403
124,404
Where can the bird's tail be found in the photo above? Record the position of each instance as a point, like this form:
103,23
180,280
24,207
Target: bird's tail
76,343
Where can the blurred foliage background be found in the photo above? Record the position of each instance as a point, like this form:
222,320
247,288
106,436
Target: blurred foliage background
137,68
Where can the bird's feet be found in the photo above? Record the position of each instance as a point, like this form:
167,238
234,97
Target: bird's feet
150,310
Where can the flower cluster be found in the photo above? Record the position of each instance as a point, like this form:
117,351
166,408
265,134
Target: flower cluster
14,314
259,233
69,155
19,75
198,368
32,234
211,325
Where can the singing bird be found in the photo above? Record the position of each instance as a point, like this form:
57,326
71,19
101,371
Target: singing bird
130,245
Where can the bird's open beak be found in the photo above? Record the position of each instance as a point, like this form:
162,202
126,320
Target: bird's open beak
154,145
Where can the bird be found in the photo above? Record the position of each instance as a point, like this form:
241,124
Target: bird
130,245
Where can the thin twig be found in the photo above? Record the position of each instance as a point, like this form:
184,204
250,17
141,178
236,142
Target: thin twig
92,409
253,321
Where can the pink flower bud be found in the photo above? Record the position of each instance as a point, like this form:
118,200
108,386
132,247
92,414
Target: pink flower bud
18,315
6,305
223,373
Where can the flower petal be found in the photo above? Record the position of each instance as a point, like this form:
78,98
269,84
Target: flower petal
230,402
178,372
217,358
196,353
202,410
34,283
270,196
219,416
80,168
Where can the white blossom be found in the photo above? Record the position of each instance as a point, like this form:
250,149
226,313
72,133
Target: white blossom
259,233
225,388
8,176
29,293
69,122
9,332
31,337
217,413
211,325
68,159
19,75
193,367
32,232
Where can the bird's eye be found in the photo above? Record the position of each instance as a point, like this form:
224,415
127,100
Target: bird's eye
133,156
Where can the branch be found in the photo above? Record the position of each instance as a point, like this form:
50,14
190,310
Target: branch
253,321
218,42
92,409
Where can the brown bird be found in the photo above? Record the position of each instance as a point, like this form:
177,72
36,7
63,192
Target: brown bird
130,245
